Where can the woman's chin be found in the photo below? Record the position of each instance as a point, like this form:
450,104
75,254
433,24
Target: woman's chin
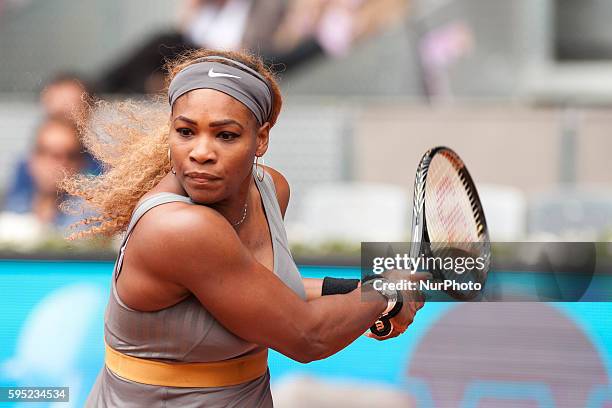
203,197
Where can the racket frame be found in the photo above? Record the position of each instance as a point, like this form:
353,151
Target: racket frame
420,243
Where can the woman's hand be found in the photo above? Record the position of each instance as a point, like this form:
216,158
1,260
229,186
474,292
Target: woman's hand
413,301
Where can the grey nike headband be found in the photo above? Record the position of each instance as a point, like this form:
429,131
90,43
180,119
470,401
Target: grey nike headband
243,84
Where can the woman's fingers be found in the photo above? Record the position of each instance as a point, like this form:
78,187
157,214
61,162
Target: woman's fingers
394,333
414,300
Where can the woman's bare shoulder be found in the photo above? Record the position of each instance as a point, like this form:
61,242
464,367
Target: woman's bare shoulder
182,218
180,232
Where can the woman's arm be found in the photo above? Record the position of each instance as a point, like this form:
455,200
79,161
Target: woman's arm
243,295
313,288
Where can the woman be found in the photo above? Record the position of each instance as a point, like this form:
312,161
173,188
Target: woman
202,291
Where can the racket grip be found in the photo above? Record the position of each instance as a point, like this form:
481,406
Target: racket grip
382,327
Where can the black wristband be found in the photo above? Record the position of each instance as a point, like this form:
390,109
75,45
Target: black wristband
338,286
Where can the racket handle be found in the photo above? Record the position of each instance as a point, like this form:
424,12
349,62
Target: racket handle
382,327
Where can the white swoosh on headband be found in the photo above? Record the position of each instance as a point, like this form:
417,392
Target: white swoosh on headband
214,74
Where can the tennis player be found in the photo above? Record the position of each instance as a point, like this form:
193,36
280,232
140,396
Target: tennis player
204,283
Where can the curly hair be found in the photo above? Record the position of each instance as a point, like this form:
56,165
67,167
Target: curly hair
130,140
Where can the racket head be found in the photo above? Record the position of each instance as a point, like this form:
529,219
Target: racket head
448,219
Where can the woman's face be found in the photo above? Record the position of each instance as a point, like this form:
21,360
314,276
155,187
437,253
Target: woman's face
213,142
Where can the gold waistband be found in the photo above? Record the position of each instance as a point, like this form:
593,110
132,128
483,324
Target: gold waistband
213,374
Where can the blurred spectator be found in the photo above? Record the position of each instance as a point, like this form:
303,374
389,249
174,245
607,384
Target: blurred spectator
57,150
330,27
287,32
221,24
67,95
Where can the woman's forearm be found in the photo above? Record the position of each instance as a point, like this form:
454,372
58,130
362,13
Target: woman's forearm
338,320
313,288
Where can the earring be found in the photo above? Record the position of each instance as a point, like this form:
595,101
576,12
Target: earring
259,167
170,160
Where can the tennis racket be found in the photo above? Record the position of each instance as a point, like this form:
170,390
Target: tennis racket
448,221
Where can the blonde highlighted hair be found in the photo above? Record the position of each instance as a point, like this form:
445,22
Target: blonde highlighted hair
130,140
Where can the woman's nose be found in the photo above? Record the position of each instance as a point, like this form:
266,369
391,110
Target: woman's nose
203,151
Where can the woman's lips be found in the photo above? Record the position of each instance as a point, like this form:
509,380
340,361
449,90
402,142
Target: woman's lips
202,175
201,178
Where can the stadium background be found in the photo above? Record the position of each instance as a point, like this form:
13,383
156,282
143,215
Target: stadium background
522,90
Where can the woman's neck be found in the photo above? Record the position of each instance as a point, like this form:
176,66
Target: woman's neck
237,209
232,208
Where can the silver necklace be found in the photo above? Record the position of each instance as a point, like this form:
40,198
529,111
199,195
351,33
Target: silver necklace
244,214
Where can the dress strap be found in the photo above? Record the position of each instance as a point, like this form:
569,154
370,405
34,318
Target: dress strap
139,211
269,189
152,202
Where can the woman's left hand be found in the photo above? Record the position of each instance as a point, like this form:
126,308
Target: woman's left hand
413,301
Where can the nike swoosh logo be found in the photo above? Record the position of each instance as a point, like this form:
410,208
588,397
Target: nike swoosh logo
214,74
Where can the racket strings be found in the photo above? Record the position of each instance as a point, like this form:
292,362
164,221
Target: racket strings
453,216
449,210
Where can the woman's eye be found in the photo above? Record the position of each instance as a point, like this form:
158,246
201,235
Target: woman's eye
185,131
227,136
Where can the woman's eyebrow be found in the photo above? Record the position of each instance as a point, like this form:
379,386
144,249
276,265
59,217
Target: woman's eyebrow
185,119
225,122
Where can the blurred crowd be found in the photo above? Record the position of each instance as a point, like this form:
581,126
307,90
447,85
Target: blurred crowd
286,33
30,209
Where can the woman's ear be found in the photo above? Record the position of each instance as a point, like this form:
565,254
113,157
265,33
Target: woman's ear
263,136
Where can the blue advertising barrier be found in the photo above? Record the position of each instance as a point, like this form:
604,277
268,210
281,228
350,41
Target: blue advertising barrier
51,334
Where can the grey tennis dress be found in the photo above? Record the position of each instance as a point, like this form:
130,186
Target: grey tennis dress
186,332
